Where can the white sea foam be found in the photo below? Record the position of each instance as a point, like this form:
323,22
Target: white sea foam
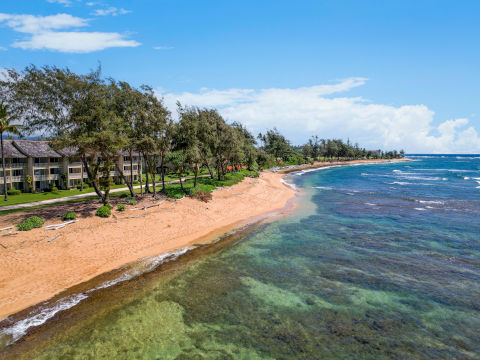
323,187
430,202
420,209
400,183
290,185
370,204
19,329
40,316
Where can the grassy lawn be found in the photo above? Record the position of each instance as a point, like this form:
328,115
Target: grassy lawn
29,197
174,191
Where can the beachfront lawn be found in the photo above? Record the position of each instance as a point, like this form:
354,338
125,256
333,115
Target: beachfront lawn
34,197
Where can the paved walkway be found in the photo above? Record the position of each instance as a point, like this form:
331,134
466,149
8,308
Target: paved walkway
79,196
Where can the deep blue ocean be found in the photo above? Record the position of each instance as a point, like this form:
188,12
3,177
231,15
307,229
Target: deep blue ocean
378,262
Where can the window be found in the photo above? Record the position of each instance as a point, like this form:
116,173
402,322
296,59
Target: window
126,158
39,172
18,172
38,160
54,171
18,161
72,170
54,160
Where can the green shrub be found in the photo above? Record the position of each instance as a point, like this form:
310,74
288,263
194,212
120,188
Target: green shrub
254,174
136,182
103,211
79,186
54,189
13,192
109,206
133,201
70,215
121,207
123,196
31,223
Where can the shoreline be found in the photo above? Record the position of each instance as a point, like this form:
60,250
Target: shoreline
61,265
33,270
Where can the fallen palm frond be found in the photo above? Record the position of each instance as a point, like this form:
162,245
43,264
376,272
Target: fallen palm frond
59,226
7,228
55,237
148,206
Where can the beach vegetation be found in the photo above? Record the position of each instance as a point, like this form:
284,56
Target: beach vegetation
13,192
31,223
103,211
69,215
121,207
6,127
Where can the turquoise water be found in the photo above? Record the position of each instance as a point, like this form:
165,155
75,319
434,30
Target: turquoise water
379,261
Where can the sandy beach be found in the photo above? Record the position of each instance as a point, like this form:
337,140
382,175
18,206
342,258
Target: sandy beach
34,269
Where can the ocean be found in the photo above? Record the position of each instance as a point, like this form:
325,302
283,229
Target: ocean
378,261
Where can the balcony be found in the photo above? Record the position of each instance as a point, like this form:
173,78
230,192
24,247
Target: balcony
41,177
41,165
75,164
75,175
17,178
17,166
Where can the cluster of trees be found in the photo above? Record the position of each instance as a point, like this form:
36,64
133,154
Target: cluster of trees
100,118
280,149
336,149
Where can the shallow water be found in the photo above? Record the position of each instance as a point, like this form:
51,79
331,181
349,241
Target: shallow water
379,261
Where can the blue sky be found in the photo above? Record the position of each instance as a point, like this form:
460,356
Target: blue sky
384,73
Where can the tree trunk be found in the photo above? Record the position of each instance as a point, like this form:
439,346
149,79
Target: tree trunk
210,170
4,173
81,180
140,175
122,175
195,171
163,171
131,170
147,183
153,182
181,183
92,180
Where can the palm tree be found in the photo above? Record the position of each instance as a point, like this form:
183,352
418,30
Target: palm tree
6,127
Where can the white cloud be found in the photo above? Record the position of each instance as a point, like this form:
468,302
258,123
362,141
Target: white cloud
31,24
62,2
43,33
75,42
3,48
110,11
302,112
163,47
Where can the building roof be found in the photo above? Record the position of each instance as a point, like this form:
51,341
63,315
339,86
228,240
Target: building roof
36,148
68,151
126,153
11,151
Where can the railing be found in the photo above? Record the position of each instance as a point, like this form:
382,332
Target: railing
17,166
43,165
75,175
54,176
41,177
75,164
11,179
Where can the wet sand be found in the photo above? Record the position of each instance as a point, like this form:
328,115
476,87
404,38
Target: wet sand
32,269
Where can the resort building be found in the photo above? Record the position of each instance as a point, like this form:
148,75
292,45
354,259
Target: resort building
34,165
